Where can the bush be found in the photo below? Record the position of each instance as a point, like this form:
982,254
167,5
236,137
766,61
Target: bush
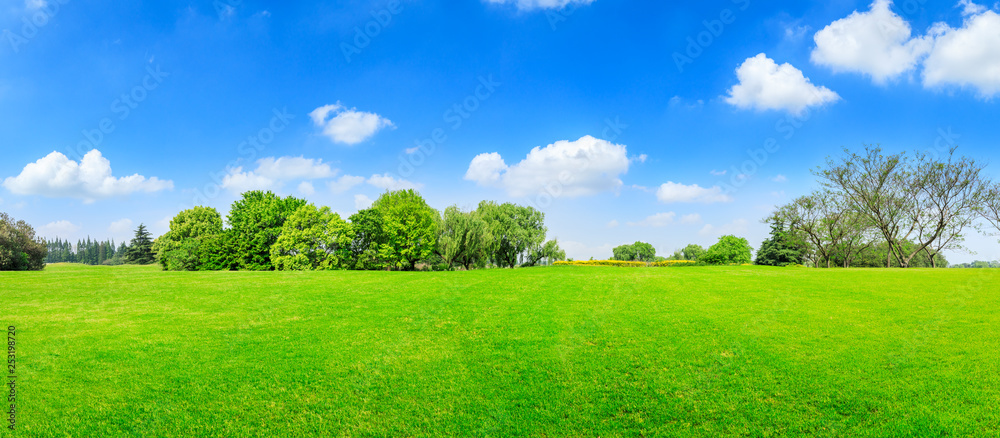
730,250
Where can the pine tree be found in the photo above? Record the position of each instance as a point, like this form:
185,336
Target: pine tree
140,251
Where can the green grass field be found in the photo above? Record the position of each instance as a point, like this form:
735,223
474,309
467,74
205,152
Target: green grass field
545,352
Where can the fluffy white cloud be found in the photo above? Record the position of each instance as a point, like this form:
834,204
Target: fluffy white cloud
877,43
672,192
388,182
362,202
613,224
737,227
656,220
780,179
968,56
56,176
541,4
348,126
765,85
271,173
345,183
61,229
563,169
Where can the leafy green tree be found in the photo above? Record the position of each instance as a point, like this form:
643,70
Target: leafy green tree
636,252
782,248
179,248
730,250
218,252
20,249
409,227
256,222
625,253
369,250
463,238
140,250
693,252
550,251
516,230
313,239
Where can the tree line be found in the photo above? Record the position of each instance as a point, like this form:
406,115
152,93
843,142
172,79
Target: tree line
886,210
400,231
729,250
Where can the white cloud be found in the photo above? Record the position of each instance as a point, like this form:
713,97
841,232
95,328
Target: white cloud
877,43
780,179
968,56
61,229
238,181
388,182
290,168
35,4
306,188
657,220
970,8
541,4
737,228
362,202
613,224
563,169
348,126
271,173
765,85
691,219
672,192
719,172
56,176
345,183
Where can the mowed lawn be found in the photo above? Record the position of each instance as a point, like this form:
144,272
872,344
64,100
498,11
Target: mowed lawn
543,352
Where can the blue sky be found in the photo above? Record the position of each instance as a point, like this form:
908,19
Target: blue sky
642,113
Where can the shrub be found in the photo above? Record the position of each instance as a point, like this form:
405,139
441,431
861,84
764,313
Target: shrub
20,249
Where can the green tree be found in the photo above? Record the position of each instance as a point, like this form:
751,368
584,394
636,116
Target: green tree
20,249
730,250
256,222
463,238
550,251
313,239
516,230
409,227
625,253
140,250
782,248
693,252
179,248
369,248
